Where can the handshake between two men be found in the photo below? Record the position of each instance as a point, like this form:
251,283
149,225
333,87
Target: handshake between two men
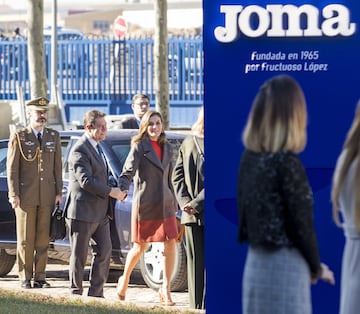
118,194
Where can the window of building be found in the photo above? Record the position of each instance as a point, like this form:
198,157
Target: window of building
104,26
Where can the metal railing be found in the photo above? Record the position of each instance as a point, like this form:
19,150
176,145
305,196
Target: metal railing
106,73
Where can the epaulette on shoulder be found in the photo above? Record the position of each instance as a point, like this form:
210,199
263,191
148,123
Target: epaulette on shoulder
51,131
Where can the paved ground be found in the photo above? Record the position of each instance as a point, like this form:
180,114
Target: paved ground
138,293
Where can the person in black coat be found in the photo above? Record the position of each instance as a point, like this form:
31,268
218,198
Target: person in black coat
140,104
188,182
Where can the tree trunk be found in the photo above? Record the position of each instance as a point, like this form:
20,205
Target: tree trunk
37,75
161,79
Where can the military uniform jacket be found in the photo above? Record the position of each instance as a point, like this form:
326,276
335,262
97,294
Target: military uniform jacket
34,173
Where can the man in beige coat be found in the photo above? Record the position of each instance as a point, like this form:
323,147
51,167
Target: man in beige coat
34,175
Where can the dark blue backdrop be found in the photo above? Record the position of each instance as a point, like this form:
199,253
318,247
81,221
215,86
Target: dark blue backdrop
331,97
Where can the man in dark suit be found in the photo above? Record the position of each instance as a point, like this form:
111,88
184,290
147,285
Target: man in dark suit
140,104
34,176
88,206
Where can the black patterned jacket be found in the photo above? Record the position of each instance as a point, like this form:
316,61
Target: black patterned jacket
275,204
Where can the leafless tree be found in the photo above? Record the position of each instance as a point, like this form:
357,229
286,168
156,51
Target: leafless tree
38,86
161,61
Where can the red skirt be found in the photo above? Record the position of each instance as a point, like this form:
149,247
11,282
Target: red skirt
154,230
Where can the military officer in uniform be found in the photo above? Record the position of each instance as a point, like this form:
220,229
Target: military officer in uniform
34,174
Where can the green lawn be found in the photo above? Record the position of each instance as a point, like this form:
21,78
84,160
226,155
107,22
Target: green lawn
27,303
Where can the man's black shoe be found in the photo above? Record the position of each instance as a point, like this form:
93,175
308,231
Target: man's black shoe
41,284
26,284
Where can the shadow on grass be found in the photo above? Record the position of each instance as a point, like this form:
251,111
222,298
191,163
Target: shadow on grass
114,274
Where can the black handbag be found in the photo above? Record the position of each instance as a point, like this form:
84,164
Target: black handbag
57,224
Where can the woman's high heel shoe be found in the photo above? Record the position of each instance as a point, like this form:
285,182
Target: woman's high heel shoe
163,300
120,296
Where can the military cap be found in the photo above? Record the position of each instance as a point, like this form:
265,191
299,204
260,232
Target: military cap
40,103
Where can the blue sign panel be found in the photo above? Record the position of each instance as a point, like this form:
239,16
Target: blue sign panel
246,43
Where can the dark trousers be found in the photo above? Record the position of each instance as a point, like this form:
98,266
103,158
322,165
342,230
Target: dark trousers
195,265
98,235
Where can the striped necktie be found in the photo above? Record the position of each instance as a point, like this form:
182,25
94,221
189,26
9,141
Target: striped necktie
99,150
102,156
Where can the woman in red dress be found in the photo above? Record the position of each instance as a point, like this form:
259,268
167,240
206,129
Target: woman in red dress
154,206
